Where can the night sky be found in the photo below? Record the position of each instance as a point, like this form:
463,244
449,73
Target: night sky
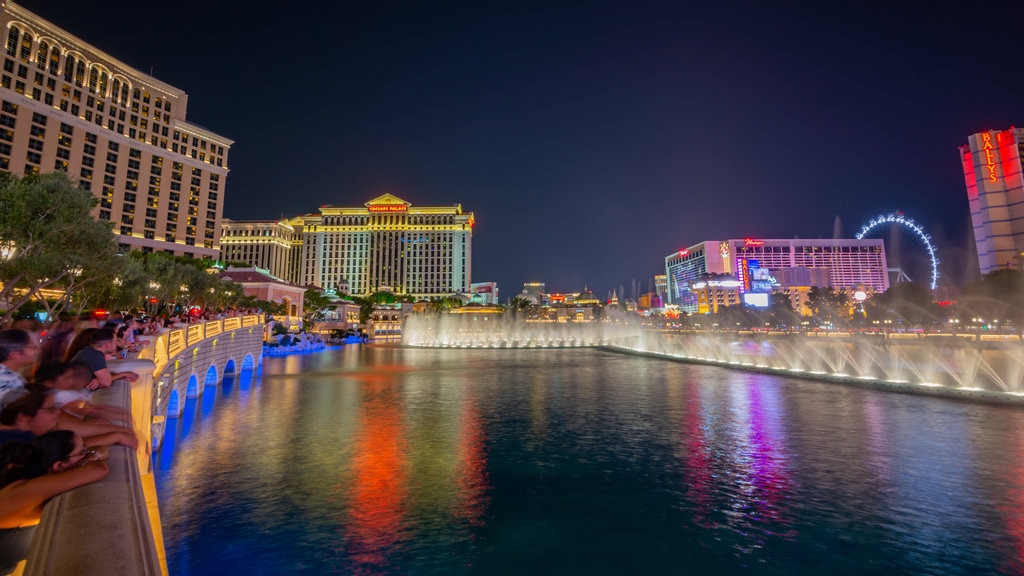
590,139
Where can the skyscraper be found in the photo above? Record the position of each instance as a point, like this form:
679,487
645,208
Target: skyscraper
386,244
992,169
121,134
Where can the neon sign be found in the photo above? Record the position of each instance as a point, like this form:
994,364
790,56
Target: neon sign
389,208
990,158
752,242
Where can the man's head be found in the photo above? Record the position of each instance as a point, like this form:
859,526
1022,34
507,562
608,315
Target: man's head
33,410
103,340
17,348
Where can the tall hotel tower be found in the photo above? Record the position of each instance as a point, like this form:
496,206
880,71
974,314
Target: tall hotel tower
385,244
66,105
992,169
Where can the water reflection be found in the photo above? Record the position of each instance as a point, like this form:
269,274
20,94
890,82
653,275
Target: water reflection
377,486
390,460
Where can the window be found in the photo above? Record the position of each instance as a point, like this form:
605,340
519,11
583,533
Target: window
39,118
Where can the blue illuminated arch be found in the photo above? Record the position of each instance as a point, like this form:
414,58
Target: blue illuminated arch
898,219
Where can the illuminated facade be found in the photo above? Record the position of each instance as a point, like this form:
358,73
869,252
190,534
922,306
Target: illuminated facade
849,263
266,244
386,244
67,106
995,192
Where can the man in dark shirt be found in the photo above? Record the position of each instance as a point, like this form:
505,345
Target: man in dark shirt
95,357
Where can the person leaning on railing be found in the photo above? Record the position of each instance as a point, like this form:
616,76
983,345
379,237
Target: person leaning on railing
30,474
95,356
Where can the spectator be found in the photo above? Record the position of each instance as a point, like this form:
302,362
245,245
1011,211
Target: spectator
31,474
95,357
17,351
28,414
81,340
58,337
70,383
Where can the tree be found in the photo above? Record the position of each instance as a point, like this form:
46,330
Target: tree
999,295
828,305
780,310
906,302
314,303
47,237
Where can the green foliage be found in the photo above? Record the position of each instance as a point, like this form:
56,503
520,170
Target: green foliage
999,295
446,303
382,297
906,302
314,304
828,305
49,237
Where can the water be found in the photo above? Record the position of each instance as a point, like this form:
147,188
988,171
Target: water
375,460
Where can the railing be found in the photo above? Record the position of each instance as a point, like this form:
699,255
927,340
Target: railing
113,526
172,342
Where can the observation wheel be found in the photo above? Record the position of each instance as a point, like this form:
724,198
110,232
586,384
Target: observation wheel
908,249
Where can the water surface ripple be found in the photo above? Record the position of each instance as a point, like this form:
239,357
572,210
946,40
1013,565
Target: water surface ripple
388,460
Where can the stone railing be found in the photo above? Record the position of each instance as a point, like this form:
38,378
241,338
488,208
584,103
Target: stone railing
113,526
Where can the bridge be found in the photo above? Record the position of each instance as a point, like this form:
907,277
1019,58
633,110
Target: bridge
113,526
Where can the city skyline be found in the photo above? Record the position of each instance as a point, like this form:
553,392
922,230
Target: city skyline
589,141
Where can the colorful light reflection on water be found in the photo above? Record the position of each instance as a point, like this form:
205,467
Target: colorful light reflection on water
376,460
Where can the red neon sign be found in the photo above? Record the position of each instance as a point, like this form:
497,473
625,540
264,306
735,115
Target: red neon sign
751,242
990,157
684,252
389,208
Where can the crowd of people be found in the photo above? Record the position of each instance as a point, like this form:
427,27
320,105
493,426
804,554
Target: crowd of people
53,436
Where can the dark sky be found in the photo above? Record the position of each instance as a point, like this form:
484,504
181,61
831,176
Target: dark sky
590,139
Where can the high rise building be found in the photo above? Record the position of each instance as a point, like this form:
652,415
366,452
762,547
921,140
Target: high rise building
995,192
66,105
850,263
386,244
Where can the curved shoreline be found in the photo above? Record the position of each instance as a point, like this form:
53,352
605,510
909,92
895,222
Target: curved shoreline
973,395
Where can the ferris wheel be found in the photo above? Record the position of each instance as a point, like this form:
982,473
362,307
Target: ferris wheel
906,245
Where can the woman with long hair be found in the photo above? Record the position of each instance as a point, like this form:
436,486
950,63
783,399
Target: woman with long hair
30,474
81,340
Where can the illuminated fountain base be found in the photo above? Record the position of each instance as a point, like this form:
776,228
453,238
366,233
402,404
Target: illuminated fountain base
504,331
947,366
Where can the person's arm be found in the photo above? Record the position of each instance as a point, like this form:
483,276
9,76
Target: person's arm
33,493
101,379
128,375
123,438
86,428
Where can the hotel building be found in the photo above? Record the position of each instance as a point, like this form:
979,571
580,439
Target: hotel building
995,192
850,263
121,134
386,244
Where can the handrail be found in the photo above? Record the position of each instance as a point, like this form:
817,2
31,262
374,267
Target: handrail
170,343
111,526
